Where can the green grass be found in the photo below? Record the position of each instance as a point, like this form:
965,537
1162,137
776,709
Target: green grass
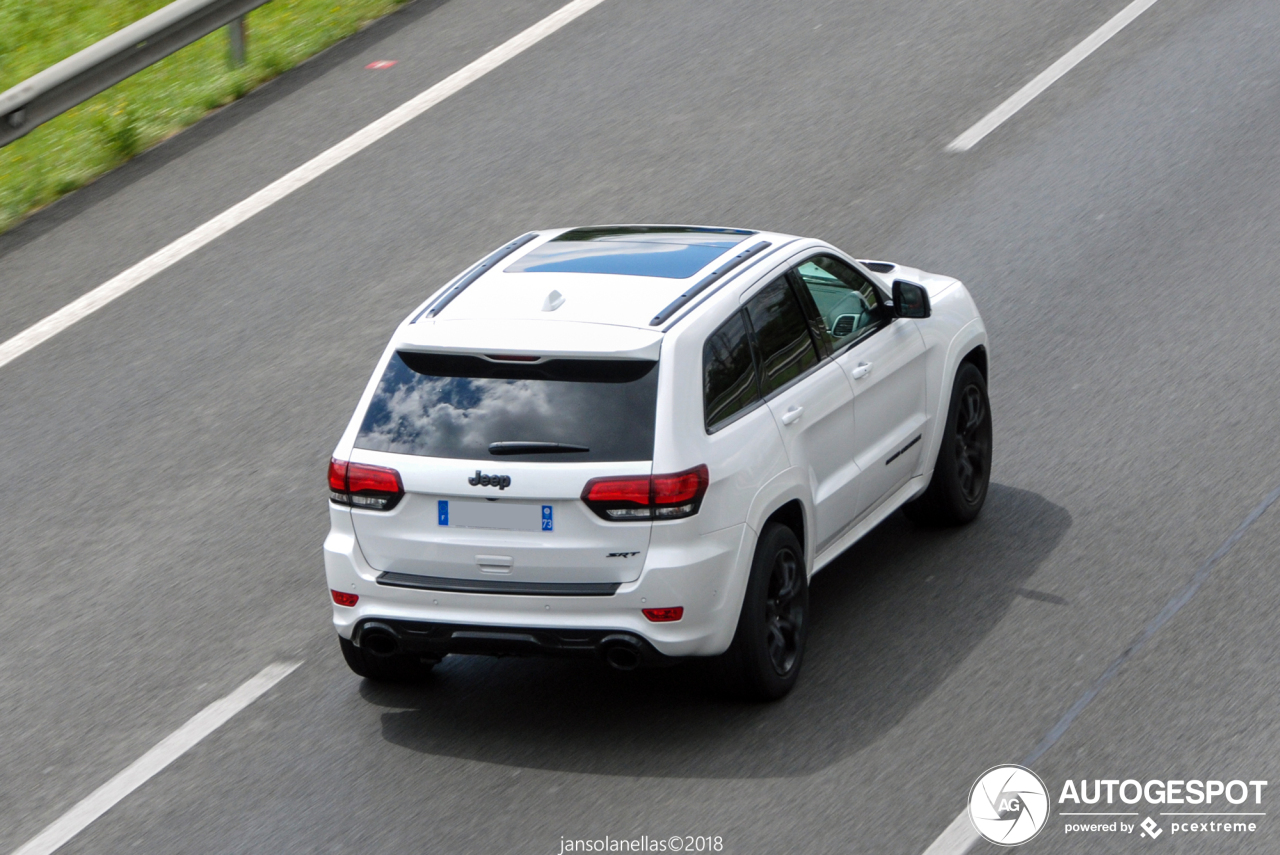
112,127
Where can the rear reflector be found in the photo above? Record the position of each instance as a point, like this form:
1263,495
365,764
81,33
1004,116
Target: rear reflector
345,599
360,485
640,497
667,615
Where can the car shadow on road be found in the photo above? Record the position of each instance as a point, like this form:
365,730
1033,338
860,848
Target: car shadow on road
892,618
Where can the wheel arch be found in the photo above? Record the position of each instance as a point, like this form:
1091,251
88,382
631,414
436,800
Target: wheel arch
978,358
969,344
791,515
785,498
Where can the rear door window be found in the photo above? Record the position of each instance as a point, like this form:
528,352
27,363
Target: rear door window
556,411
729,382
782,335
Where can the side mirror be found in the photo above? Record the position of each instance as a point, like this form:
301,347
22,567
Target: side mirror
910,300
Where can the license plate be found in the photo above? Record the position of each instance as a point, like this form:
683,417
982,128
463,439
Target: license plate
504,516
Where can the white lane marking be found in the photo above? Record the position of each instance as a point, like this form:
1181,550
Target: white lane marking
1046,78
169,749
125,282
957,839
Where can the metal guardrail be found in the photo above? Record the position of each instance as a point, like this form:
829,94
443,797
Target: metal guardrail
105,63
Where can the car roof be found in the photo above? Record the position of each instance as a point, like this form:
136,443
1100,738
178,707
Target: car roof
585,268
618,276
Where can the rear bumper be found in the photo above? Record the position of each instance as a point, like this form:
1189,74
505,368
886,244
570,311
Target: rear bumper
707,577
437,640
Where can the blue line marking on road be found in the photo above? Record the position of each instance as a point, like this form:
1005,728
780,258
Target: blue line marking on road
1140,641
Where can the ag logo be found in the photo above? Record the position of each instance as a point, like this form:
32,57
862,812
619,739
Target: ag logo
1008,805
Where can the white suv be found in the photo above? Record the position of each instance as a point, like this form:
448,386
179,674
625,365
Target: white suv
638,442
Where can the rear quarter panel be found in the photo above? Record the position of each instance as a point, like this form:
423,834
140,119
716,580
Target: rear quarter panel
751,475
740,456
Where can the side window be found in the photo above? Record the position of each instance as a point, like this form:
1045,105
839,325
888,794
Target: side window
728,373
848,303
782,335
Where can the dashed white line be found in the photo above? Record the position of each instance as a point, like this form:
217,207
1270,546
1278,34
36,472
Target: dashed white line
148,765
1046,78
125,282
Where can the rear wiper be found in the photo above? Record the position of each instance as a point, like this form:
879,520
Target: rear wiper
501,448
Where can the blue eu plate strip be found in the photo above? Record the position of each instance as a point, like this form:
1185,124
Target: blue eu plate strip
442,508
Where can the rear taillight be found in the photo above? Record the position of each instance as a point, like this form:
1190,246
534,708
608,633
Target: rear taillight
359,485
640,497
337,480
342,598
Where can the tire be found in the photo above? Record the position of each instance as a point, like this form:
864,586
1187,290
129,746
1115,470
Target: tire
401,668
958,488
764,660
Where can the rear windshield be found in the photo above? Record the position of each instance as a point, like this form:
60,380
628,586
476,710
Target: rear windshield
557,411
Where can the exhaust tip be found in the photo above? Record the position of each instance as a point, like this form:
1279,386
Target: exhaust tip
379,639
621,652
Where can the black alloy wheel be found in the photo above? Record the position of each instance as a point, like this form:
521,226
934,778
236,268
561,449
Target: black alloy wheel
395,668
763,661
962,473
973,443
784,613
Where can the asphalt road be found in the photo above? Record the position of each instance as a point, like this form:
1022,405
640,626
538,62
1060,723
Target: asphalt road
165,457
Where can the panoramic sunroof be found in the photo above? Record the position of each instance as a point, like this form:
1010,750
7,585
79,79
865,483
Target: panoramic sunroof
668,252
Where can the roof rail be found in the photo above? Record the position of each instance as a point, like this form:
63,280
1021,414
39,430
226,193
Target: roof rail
711,292
473,274
707,281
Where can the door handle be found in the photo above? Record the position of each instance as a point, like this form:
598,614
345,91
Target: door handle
792,415
862,369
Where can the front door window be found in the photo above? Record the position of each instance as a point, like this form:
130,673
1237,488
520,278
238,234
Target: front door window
849,306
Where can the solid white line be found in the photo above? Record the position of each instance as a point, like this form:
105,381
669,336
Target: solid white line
1046,78
125,282
169,749
957,839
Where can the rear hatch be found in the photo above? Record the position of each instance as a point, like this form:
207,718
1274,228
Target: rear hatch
493,453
